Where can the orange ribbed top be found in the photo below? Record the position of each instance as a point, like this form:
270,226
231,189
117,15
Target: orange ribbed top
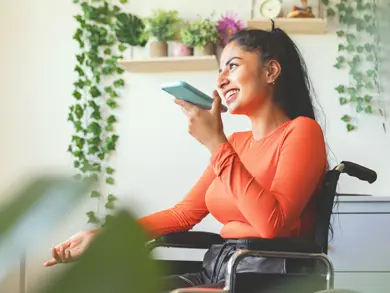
255,188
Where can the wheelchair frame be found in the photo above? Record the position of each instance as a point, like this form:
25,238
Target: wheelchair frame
288,249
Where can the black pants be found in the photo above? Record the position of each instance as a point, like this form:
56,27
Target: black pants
214,268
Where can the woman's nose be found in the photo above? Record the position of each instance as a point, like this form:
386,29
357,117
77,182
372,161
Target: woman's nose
222,81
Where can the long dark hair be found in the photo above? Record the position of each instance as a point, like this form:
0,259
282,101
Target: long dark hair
294,92
293,89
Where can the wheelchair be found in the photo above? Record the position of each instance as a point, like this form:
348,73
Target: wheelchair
312,270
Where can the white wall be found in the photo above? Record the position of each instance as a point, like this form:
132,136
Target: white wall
157,161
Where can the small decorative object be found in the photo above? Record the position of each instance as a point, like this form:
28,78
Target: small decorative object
201,35
301,12
180,50
162,26
270,8
227,26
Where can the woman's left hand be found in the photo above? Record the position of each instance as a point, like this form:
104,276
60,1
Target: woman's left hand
205,125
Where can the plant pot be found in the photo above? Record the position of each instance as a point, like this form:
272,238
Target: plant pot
158,49
180,50
204,51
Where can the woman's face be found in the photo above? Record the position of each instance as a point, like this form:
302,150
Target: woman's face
243,83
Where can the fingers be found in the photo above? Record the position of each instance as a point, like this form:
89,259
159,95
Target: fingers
55,260
68,254
184,104
216,108
50,263
66,244
56,254
186,107
61,254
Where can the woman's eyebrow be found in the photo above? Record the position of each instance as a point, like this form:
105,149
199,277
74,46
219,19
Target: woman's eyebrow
230,60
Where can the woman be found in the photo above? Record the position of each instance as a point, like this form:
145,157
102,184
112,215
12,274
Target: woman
259,183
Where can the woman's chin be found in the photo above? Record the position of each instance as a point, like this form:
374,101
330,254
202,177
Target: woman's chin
233,108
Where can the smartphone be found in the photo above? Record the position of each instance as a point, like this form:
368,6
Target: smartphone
186,92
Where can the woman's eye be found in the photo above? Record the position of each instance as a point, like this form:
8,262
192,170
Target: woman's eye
232,65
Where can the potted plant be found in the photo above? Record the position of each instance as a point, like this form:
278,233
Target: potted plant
130,29
162,26
179,49
201,35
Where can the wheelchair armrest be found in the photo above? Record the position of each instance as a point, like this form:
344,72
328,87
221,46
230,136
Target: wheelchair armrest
279,245
192,239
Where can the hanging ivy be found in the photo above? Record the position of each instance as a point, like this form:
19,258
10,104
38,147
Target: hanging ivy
96,93
359,53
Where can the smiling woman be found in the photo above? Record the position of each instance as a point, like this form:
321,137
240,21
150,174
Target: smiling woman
254,185
275,74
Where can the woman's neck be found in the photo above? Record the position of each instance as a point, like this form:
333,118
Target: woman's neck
266,120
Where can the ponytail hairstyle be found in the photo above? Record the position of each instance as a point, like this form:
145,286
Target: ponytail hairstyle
292,87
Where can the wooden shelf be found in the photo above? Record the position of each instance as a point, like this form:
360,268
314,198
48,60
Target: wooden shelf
304,26
170,64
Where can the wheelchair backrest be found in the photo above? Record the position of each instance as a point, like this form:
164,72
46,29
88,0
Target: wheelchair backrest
324,208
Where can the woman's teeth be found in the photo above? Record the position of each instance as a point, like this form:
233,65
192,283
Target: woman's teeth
231,95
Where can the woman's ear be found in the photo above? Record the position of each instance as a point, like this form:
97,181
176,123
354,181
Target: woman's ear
273,71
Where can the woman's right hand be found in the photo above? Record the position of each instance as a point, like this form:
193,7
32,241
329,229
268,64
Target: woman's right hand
73,248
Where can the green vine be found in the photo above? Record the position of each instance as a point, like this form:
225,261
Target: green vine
359,51
96,93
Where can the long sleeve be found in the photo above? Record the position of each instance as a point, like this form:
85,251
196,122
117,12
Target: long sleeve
300,168
185,214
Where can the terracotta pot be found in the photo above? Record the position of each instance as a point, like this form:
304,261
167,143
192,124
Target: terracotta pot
179,50
205,51
158,49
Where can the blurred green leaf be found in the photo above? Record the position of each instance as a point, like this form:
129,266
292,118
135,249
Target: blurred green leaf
330,12
92,218
95,193
111,119
346,118
109,205
111,103
350,127
111,197
110,180
342,101
368,109
35,208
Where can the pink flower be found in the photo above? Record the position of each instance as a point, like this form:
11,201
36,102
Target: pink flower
228,25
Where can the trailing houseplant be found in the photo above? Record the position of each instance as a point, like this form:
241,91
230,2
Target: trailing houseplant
359,53
96,92
162,26
201,35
